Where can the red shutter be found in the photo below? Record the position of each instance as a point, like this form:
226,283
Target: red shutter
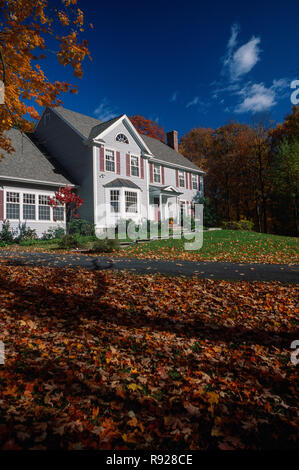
118,163
1,204
102,166
128,166
142,167
162,173
186,178
177,177
190,179
151,172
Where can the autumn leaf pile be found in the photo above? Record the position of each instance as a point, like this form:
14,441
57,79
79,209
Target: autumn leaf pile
119,361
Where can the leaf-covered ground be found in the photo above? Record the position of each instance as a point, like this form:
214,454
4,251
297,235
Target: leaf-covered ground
119,361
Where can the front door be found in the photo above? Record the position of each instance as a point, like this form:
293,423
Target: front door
157,209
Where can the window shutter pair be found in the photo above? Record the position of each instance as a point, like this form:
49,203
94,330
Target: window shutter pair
1,204
102,161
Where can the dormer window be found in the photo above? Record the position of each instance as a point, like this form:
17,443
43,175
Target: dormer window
122,138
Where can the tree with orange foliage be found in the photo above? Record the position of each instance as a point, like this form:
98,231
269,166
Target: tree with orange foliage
148,127
196,145
289,129
26,27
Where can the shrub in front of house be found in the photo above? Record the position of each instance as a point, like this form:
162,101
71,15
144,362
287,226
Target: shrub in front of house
68,242
3,244
26,233
6,234
242,224
106,245
81,227
53,233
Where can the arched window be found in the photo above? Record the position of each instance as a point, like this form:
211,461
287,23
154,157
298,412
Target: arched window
122,138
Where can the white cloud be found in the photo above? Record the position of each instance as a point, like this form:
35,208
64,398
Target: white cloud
173,97
237,63
256,97
193,102
105,111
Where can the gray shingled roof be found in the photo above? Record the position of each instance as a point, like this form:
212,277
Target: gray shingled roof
28,162
167,154
90,127
121,183
80,122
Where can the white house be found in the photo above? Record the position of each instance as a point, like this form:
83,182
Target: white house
119,173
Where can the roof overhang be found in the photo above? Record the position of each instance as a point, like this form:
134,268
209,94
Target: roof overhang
31,181
154,159
165,190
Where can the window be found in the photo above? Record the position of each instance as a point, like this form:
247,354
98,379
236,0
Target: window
181,179
43,208
114,201
131,201
194,182
58,213
157,173
134,166
29,206
110,160
122,138
12,205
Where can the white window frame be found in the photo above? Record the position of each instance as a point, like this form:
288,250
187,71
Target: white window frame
29,204
181,172
119,201
18,196
138,159
37,193
122,141
128,190
114,161
157,173
194,180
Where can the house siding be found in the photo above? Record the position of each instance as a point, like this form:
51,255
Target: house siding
73,154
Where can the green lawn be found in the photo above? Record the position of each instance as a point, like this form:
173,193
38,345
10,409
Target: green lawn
224,245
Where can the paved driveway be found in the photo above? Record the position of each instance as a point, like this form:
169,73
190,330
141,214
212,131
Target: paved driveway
203,269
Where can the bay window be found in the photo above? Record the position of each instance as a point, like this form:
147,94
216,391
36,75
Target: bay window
131,201
114,201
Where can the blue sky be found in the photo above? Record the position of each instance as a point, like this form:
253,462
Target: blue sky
187,64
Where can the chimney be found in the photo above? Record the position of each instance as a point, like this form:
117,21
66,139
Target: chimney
172,140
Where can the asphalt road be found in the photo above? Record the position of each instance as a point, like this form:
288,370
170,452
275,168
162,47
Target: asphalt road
204,269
